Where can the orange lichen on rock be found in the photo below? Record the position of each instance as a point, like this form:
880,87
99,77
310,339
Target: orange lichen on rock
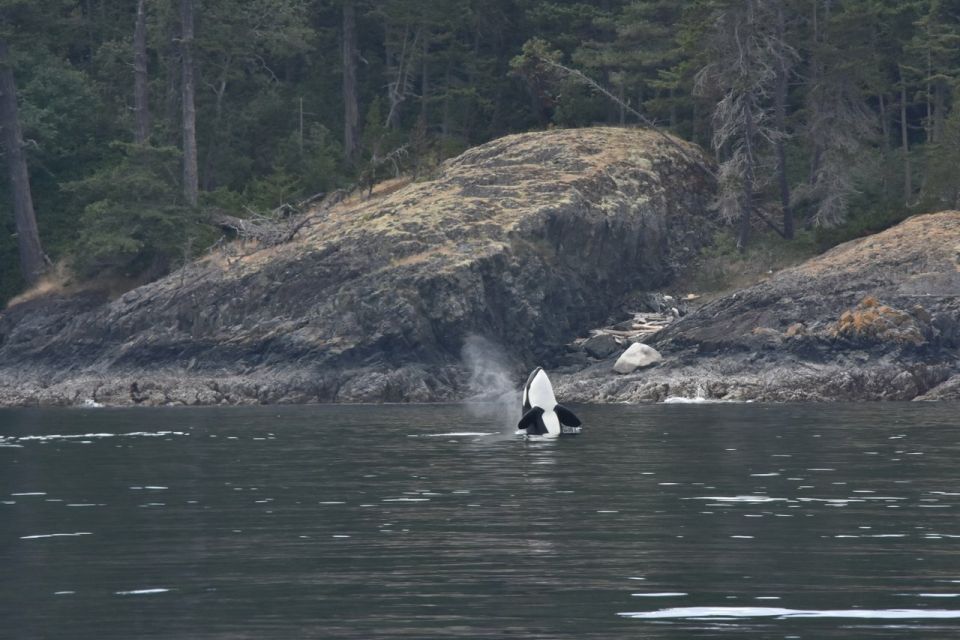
877,322
796,329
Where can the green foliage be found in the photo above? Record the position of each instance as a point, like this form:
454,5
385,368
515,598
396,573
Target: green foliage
723,267
313,159
942,188
867,216
272,190
374,129
133,221
455,73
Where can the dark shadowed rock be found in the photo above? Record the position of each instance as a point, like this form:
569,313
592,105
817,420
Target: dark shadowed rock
528,240
601,346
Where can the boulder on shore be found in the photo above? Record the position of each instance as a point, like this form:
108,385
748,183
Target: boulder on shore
637,356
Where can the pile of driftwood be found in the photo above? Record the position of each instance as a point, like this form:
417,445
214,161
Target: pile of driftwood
280,225
641,326
638,328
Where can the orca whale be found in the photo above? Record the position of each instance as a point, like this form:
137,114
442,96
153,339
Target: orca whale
542,416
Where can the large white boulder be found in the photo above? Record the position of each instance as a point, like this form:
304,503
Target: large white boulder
638,355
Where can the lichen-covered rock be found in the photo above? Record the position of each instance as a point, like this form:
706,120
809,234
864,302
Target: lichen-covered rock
529,240
872,322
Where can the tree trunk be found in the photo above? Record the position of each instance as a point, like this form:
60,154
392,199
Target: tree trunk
780,108
32,259
939,111
813,89
928,124
905,142
140,94
884,124
622,110
171,66
191,181
445,120
209,180
673,109
425,77
696,125
746,208
397,89
351,110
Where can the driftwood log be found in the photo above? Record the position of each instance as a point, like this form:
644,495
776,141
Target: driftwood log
643,325
280,225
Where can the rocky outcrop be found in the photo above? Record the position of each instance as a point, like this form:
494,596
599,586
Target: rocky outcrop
873,319
529,240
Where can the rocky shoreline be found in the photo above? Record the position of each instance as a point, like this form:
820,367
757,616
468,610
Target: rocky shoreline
873,319
531,242
527,241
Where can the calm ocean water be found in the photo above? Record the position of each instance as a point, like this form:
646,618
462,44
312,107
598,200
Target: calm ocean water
669,521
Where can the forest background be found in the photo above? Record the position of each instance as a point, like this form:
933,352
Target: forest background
130,127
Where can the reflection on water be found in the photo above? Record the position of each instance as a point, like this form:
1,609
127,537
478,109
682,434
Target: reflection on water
700,613
677,521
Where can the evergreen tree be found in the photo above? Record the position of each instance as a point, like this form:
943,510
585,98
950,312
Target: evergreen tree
839,125
141,92
32,259
134,221
191,176
745,55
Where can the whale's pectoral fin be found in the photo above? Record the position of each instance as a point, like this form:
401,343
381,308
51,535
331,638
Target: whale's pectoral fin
531,419
566,416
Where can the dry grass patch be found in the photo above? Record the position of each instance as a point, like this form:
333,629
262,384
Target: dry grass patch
876,322
60,281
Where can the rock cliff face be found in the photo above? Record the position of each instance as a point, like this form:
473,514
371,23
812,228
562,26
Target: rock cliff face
528,240
873,319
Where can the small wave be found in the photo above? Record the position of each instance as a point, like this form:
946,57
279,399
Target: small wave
141,592
682,400
89,436
746,499
453,434
774,612
701,400
56,535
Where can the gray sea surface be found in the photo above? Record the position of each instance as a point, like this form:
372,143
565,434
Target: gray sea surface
667,521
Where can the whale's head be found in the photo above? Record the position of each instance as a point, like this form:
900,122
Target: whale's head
539,391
